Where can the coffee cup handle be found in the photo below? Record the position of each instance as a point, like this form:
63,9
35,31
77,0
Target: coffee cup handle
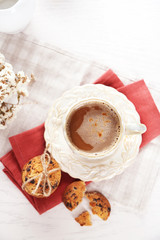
134,128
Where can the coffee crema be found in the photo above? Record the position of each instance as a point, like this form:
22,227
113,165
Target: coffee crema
93,127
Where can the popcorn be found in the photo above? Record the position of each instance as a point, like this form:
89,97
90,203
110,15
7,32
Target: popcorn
11,85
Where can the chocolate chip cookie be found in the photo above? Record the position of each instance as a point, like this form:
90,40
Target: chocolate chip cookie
99,203
73,194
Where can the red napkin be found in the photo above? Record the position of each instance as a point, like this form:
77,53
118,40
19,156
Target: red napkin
31,143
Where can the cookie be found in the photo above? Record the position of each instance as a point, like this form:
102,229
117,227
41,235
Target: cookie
99,203
36,181
84,219
73,194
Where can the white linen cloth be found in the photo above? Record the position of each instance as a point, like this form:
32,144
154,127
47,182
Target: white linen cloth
55,72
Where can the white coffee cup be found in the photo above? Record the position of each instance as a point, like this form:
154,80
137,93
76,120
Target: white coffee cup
15,15
129,129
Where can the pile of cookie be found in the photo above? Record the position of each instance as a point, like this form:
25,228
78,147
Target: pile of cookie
40,178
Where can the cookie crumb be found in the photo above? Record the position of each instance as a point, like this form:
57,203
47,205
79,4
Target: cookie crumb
84,219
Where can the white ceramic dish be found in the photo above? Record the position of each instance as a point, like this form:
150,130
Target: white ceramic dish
16,16
82,166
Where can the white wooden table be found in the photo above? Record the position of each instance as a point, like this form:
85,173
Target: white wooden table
124,35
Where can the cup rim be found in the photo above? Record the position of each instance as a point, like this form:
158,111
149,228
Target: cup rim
12,7
86,154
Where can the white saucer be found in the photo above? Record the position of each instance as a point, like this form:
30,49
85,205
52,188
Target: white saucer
96,169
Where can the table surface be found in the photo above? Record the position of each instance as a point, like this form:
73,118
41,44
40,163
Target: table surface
124,35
